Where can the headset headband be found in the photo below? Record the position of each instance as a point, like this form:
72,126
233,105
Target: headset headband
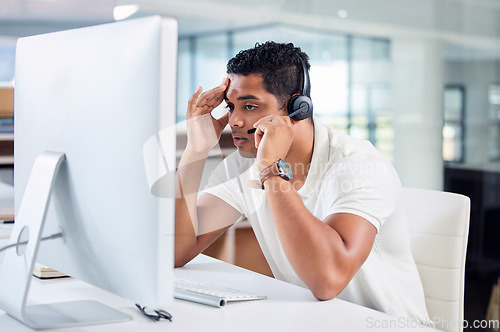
306,77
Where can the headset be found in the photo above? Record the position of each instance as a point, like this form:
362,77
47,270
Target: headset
300,107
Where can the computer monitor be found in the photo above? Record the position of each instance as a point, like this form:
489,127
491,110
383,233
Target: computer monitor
94,112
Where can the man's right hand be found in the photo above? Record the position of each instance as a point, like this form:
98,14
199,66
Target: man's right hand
197,217
204,130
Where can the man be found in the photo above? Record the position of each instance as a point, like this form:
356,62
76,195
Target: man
334,226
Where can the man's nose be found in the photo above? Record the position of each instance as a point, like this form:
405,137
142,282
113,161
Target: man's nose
236,119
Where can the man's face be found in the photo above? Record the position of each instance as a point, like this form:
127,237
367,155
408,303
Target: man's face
248,101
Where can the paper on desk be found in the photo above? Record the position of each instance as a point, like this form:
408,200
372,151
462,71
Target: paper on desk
5,230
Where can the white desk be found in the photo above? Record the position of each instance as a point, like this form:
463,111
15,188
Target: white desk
288,308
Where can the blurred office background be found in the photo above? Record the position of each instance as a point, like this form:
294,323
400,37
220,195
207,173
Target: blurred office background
420,79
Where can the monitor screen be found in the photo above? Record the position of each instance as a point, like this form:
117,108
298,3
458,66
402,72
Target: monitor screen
98,95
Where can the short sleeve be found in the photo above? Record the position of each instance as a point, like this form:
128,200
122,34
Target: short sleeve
362,184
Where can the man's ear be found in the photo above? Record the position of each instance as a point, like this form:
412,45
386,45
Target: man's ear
287,105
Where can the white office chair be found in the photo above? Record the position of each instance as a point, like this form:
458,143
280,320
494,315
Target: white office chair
439,228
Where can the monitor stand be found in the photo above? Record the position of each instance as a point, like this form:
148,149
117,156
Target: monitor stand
17,268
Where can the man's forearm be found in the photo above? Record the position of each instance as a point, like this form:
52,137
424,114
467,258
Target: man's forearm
315,250
203,133
189,174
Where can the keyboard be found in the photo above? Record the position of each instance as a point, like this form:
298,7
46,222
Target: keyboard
216,296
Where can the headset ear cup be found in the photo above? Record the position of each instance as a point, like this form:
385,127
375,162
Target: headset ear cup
301,107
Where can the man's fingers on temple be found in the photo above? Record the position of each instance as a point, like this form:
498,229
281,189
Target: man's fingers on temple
210,98
197,93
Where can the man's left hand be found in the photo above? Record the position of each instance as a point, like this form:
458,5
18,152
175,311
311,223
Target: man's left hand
273,139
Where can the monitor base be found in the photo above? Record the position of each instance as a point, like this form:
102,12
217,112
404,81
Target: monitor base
72,314
16,271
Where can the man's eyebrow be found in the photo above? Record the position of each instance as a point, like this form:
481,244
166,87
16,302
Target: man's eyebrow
246,97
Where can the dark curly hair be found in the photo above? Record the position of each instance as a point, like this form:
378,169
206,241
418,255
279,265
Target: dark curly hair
277,63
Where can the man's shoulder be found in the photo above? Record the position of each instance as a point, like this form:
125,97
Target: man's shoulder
348,155
344,145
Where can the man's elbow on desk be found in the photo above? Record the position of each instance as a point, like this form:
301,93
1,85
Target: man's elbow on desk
327,289
179,264
325,293
181,260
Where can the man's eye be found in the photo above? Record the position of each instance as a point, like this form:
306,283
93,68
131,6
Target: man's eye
249,107
230,107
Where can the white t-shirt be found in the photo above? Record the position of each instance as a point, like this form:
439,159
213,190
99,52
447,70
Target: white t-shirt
346,175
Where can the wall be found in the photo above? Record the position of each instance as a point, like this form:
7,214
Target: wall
475,75
417,112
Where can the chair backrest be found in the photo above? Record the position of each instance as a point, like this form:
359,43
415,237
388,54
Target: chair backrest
439,229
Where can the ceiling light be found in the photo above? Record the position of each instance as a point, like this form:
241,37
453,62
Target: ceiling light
124,11
342,13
